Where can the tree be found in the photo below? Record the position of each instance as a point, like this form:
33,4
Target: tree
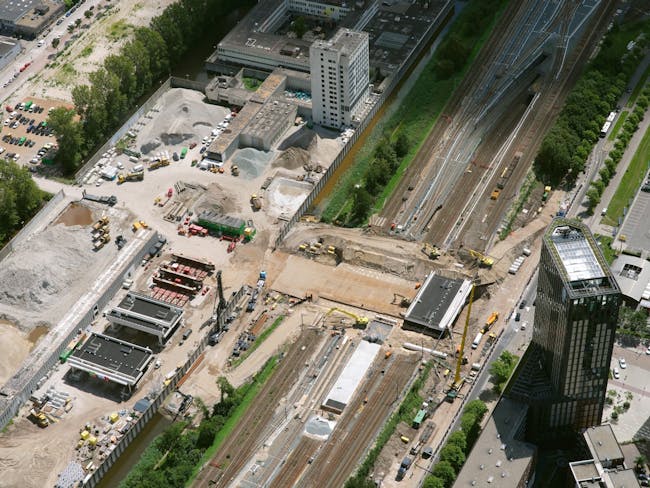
8,212
458,438
88,14
300,26
55,42
477,408
445,472
640,462
361,204
502,368
433,482
207,431
402,145
69,136
593,198
454,455
359,482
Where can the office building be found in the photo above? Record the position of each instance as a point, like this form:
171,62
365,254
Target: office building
563,375
339,71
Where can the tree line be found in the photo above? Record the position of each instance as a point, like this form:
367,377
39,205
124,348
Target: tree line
565,148
20,199
114,89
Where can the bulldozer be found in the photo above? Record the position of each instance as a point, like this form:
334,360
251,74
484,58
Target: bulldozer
256,202
137,176
432,252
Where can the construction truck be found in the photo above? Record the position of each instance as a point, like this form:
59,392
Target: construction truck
234,170
432,252
359,321
256,202
158,163
546,194
99,243
495,194
137,176
101,223
38,418
490,322
485,261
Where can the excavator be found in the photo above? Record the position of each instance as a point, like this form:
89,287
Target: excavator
38,417
359,321
432,252
400,300
483,260
455,387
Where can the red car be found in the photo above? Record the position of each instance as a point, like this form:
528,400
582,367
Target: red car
193,145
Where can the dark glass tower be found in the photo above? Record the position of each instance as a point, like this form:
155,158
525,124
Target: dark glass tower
563,375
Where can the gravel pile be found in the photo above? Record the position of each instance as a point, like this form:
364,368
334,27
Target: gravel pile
251,162
292,158
37,276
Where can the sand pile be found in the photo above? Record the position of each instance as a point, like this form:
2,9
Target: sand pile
292,158
38,276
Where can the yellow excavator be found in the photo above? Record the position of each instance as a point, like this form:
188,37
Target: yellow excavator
452,393
432,252
483,260
137,176
359,321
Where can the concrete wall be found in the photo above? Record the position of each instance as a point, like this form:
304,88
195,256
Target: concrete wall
434,29
212,325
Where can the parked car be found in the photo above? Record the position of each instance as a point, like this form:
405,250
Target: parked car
622,363
616,373
517,317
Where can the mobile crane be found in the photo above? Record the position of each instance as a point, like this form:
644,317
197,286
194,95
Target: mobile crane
452,393
359,321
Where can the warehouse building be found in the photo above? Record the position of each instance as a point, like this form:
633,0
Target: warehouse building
27,18
111,359
437,304
146,314
633,277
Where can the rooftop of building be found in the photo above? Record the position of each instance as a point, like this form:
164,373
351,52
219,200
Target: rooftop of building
584,470
344,41
149,307
623,478
603,444
12,10
498,458
578,257
105,355
431,306
272,116
633,276
222,143
35,19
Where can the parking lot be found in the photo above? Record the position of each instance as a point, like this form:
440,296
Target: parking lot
635,229
25,135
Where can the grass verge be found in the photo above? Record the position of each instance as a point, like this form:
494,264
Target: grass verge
631,180
258,341
526,188
605,243
637,89
231,423
617,126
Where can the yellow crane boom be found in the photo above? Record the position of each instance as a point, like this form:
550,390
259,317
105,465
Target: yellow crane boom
459,361
359,320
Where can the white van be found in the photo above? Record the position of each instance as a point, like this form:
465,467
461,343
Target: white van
138,168
41,43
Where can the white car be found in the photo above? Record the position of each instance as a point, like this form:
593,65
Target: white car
647,351
120,165
616,373
622,363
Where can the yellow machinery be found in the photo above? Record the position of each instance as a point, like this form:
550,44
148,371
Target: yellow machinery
490,322
234,170
103,239
359,321
483,260
39,418
159,163
452,393
432,252
256,202
138,176
137,225
100,223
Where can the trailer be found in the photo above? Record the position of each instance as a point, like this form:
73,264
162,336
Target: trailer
110,201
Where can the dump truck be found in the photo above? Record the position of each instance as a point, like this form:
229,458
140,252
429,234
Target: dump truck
256,202
101,223
137,225
158,163
490,321
134,176
99,243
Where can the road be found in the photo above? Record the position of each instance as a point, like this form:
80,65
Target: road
11,77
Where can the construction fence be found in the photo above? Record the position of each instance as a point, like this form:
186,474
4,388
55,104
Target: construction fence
214,324
34,372
434,29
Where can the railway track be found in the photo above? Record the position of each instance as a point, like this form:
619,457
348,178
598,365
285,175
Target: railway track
296,463
244,439
354,433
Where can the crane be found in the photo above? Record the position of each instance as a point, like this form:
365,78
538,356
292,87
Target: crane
452,393
359,320
483,260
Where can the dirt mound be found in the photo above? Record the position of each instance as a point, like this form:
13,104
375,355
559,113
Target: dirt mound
292,158
36,275
303,138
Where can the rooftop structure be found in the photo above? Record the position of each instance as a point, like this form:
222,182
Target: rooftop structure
28,17
437,304
607,467
266,128
12,10
351,377
225,224
112,359
563,375
499,458
633,277
147,315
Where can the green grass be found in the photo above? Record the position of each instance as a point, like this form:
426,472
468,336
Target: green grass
119,29
251,84
239,412
258,341
415,116
631,180
606,247
526,188
617,126
87,51
637,89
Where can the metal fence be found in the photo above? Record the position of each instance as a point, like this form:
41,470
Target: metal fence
434,29
30,377
146,106
32,224
215,323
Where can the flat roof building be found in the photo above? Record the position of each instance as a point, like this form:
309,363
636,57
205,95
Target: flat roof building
146,314
499,458
437,304
28,17
633,277
111,359
563,374
9,49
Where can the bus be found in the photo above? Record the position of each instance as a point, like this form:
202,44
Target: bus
606,126
611,117
419,418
